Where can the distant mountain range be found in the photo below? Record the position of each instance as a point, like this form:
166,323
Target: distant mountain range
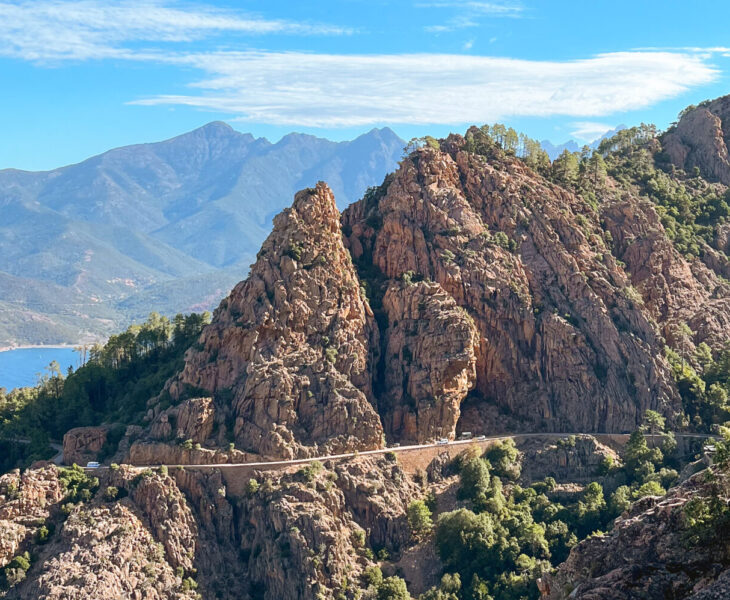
87,248
572,146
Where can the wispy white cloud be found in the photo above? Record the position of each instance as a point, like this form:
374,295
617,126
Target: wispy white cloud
469,13
333,90
330,90
589,130
40,30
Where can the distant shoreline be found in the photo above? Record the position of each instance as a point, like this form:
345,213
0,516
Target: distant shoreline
38,346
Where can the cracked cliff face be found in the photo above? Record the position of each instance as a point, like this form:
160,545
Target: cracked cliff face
700,139
674,289
290,347
467,292
562,342
648,554
429,362
299,534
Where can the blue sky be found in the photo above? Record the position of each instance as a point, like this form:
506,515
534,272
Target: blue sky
80,77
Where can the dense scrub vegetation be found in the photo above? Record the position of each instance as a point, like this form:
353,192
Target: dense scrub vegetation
112,387
704,384
509,535
690,207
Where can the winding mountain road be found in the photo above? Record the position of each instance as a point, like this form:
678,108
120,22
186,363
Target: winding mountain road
56,459
396,449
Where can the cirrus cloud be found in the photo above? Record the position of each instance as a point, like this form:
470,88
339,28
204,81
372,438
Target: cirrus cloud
330,90
339,90
53,30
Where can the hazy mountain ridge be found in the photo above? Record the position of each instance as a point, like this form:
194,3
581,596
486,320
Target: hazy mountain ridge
555,150
185,214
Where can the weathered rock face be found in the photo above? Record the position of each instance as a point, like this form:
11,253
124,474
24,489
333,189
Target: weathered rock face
25,503
105,549
301,534
700,139
573,459
193,420
429,362
143,452
377,492
288,352
562,345
82,444
647,555
674,291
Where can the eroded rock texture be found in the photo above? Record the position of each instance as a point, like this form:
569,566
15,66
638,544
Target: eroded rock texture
674,290
289,349
700,140
83,444
302,534
429,362
562,343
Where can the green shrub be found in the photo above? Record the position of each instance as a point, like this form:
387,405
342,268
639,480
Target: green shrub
252,487
79,487
372,576
358,538
331,355
311,470
189,584
419,517
43,534
393,588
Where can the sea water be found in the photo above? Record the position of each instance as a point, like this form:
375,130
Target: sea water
22,366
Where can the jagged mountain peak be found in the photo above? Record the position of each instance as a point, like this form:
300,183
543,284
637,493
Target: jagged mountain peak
288,355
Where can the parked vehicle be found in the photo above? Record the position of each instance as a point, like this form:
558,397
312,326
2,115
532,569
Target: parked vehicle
465,435
481,438
92,465
442,442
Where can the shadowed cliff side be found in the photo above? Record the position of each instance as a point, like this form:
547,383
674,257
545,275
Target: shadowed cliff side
563,343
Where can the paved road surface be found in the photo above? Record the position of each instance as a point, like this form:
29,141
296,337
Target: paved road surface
298,461
57,458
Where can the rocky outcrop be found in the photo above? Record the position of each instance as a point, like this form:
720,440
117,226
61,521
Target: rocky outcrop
26,502
650,553
700,139
104,552
302,534
562,345
377,492
289,350
161,453
193,420
429,362
83,444
673,290
577,458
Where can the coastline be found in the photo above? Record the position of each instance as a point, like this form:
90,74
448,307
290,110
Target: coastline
38,346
